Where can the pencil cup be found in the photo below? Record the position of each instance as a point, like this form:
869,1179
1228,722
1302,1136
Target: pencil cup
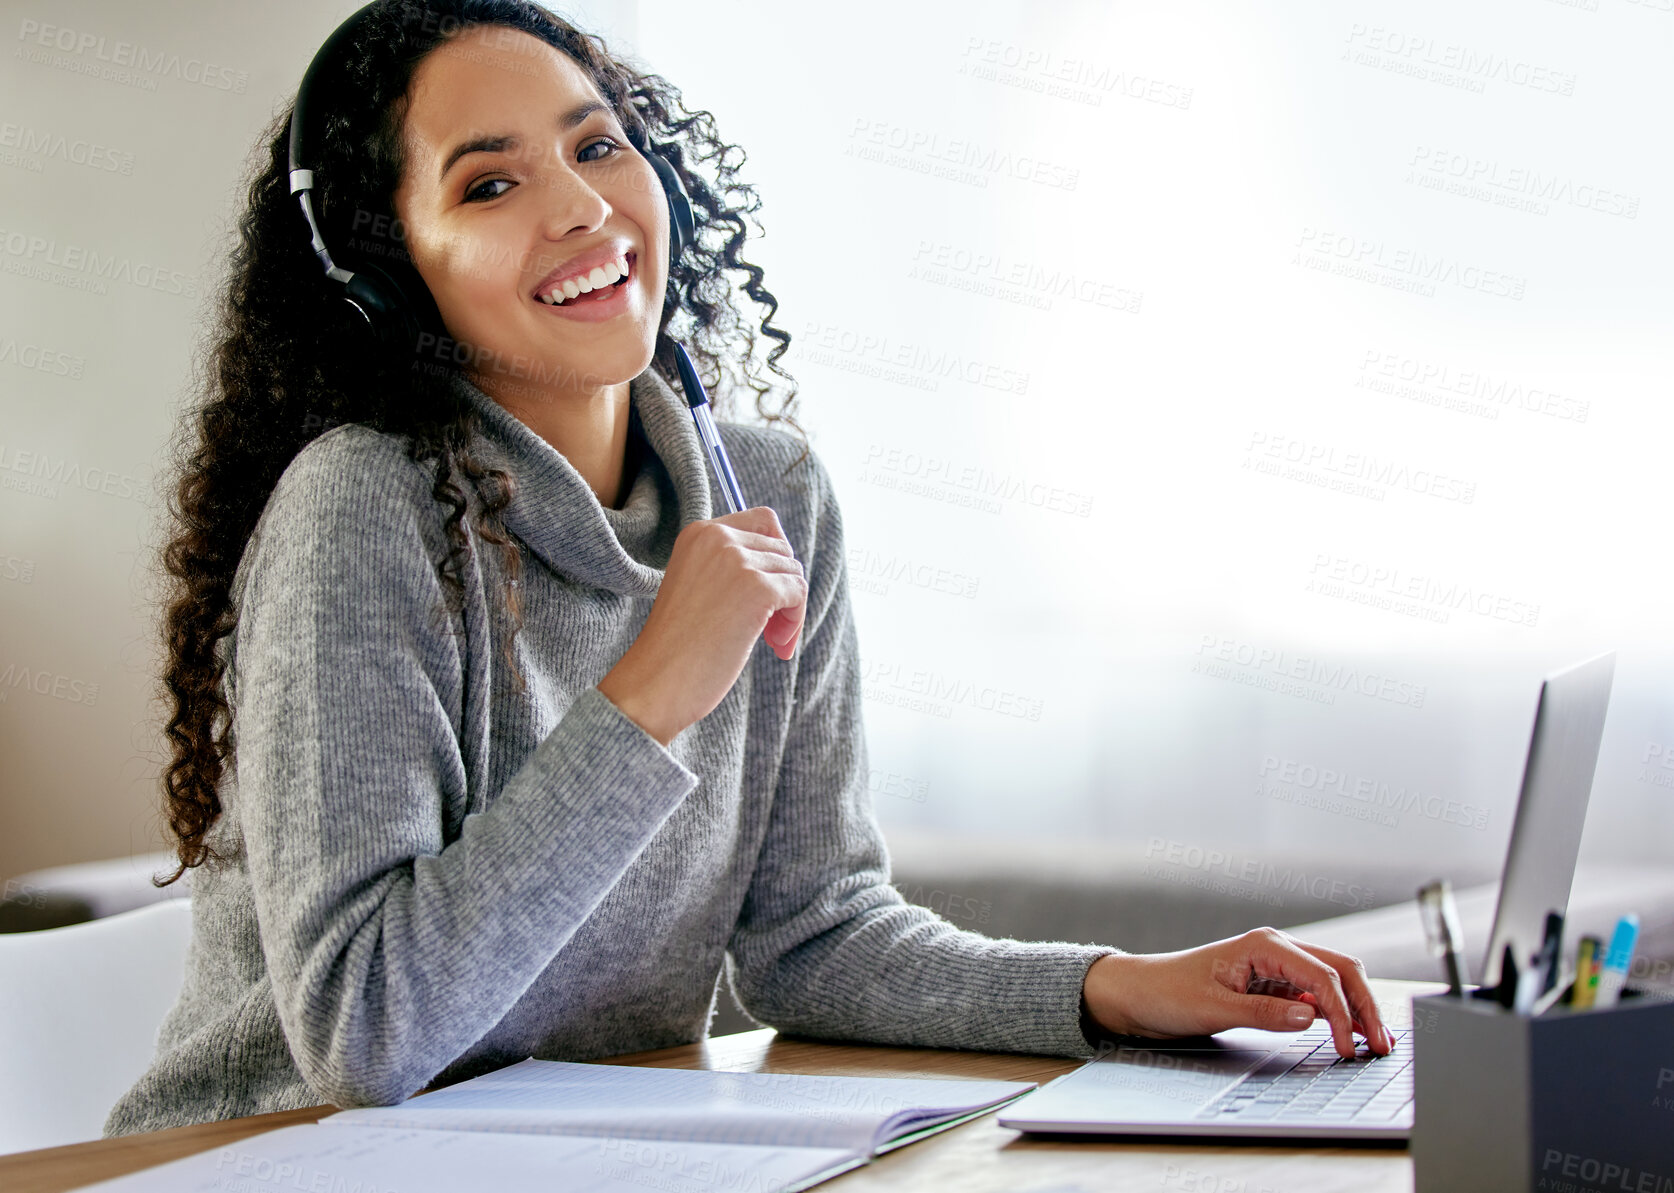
1565,1102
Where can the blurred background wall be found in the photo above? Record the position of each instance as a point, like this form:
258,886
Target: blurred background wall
1235,408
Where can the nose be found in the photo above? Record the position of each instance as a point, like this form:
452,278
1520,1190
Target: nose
571,202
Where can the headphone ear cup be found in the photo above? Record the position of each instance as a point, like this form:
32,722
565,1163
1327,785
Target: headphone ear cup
394,309
681,226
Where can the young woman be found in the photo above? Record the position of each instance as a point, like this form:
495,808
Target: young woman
507,774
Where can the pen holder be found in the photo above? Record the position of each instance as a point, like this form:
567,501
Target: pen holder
1571,1101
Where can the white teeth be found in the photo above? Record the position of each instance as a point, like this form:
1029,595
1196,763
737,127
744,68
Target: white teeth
602,275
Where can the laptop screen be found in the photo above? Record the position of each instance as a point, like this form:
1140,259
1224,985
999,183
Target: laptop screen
1552,809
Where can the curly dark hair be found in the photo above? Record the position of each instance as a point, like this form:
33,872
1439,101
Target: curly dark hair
279,368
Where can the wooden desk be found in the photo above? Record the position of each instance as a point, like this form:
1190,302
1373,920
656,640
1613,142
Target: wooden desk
975,1156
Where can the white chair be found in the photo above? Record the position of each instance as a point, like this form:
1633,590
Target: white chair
80,1008
108,887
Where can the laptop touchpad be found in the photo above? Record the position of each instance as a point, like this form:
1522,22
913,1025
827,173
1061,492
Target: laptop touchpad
1140,1083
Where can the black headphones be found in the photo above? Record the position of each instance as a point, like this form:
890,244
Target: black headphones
394,302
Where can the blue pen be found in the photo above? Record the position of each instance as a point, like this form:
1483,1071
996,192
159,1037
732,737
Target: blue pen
698,402
1616,962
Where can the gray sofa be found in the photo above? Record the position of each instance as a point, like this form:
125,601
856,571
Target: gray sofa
1104,895
1119,897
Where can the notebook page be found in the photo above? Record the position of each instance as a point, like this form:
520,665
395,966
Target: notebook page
902,1133
386,1160
786,1109
937,1113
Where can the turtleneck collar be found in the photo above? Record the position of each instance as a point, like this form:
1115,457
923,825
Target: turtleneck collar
561,519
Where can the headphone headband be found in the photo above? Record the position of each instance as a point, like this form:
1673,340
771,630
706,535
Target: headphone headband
329,55
394,302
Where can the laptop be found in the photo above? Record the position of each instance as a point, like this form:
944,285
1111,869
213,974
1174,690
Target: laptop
1247,1082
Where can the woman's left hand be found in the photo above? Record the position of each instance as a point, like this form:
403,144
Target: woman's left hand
1208,989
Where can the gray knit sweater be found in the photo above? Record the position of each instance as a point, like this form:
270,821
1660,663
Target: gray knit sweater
434,874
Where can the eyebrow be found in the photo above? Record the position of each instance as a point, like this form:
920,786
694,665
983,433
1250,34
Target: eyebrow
504,141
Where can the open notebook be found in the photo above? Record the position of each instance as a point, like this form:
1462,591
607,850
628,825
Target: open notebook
547,1125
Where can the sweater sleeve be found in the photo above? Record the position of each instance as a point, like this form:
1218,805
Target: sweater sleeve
824,945
391,951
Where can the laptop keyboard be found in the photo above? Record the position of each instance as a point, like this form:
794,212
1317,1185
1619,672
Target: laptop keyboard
1309,1082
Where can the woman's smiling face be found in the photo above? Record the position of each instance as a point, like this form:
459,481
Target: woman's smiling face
519,177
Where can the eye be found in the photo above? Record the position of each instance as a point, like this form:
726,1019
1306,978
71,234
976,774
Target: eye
485,182
601,141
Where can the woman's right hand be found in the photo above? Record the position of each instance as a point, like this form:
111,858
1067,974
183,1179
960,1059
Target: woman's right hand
729,581
1265,978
